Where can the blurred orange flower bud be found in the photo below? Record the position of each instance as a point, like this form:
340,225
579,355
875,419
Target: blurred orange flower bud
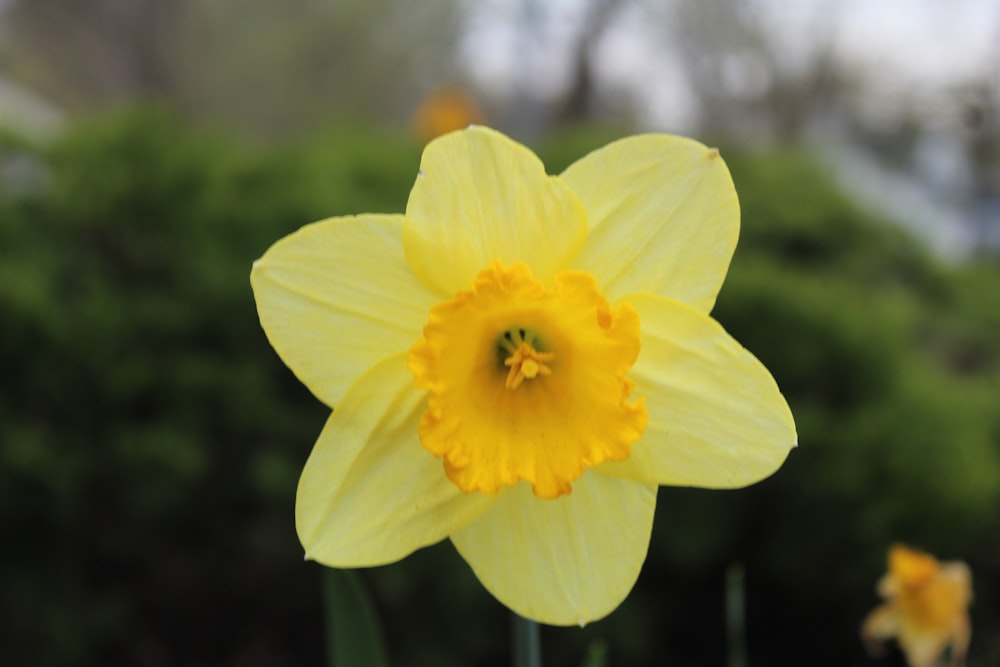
926,608
446,110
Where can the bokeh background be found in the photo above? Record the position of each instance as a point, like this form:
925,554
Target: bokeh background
151,441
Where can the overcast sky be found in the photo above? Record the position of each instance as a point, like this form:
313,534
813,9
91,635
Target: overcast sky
897,44
926,40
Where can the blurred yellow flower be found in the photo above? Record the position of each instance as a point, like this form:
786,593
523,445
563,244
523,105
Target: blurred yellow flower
446,110
926,608
518,361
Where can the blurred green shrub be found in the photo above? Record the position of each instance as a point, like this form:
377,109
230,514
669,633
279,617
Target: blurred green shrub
151,440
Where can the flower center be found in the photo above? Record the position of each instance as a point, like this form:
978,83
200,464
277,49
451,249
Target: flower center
523,360
527,383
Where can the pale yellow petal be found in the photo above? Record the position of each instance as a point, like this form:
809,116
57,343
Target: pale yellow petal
370,493
881,624
567,561
337,296
716,416
664,218
923,650
479,197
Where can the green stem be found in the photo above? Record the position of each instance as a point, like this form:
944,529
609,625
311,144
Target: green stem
354,634
527,643
736,616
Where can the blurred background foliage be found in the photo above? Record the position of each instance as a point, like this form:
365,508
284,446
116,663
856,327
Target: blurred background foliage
151,441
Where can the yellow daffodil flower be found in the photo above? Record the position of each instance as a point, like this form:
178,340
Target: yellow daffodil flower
926,608
519,361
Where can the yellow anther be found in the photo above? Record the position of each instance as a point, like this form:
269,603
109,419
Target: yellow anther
526,362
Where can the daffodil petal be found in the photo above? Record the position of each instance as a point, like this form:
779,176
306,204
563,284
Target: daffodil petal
370,494
664,218
481,197
337,296
716,416
566,561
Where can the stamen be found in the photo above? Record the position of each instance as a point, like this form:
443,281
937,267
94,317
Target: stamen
526,362
507,343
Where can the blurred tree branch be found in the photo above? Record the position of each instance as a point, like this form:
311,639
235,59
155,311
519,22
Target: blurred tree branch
269,66
742,78
578,103
86,54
